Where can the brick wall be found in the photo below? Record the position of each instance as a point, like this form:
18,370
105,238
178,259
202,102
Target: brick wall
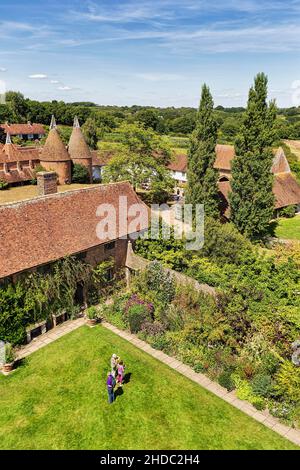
46,183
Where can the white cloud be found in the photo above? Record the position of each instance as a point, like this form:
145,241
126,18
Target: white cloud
38,76
64,88
55,82
2,69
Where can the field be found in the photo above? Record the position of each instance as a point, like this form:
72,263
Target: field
57,399
288,228
19,193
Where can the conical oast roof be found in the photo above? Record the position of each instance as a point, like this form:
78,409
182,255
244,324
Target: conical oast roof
54,149
78,148
9,148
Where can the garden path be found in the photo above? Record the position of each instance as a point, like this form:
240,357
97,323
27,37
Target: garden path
264,417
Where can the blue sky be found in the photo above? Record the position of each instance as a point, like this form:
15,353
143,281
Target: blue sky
144,52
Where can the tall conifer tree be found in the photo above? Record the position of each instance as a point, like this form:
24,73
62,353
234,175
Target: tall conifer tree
202,177
252,199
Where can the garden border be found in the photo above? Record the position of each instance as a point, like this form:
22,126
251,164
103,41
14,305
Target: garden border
263,417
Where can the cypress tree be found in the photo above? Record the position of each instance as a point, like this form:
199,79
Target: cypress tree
202,177
252,199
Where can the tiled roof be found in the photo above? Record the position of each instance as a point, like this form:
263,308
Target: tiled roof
78,147
286,190
54,149
179,163
102,157
280,163
224,155
16,129
44,229
16,176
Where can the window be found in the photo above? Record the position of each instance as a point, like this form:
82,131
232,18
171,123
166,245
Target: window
109,246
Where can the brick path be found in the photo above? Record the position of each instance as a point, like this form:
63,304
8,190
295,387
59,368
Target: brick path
49,337
264,417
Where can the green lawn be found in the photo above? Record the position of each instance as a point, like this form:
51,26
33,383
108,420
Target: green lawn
57,400
288,228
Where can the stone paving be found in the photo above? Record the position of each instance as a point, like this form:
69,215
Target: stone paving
264,417
49,337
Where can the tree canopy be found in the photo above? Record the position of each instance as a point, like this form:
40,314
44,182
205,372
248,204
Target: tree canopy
202,177
252,199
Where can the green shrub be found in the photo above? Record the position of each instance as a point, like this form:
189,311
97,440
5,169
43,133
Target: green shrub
259,405
160,342
288,382
10,355
287,212
226,381
80,174
137,315
262,385
3,185
160,281
92,313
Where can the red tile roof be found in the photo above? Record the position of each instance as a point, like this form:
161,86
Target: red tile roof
102,157
44,229
224,155
54,149
286,190
78,147
179,163
25,129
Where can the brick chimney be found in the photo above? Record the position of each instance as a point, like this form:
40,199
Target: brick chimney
46,183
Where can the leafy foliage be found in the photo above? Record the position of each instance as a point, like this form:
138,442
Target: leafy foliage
252,199
202,177
80,174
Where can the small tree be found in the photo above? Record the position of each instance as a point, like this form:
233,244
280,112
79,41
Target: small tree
80,174
90,131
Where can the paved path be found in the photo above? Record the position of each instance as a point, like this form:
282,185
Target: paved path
264,417
49,337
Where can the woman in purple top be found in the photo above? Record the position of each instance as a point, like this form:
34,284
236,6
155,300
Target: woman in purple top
110,383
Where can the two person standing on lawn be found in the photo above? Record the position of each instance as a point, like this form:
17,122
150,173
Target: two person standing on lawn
115,376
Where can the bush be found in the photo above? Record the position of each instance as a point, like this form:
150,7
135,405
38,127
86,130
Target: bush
226,381
288,382
262,385
152,328
136,300
80,174
3,185
160,281
137,315
9,354
160,342
92,313
287,212
282,410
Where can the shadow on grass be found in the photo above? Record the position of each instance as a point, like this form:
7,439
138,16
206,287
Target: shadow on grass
20,363
127,378
119,392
